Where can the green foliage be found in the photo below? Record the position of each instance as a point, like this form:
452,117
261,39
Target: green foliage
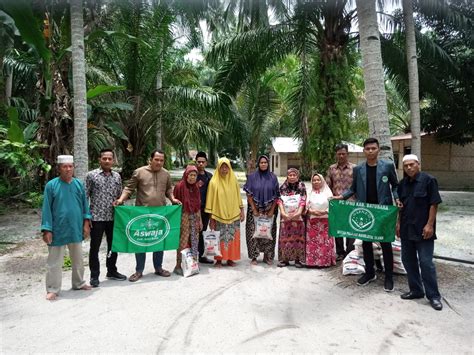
22,163
445,61
34,199
25,21
103,89
15,134
67,263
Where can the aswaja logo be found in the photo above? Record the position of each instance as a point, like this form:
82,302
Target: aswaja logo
147,230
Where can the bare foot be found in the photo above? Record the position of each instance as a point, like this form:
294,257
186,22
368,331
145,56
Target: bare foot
86,287
51,296
218,263
253,262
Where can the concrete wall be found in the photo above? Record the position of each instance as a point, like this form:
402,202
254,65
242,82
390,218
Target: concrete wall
280,162
452,165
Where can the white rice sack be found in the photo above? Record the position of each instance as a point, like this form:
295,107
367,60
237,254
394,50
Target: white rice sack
397,247
354,258
376,247
291,203
397,258
398,267
263,228
377,250
212,245
189,263
352,269
353,264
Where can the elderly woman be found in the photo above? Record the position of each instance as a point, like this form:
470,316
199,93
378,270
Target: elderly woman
291,242
262,194
224,205
188,193
319,246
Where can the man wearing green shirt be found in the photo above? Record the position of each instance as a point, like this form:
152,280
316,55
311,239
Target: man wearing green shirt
65,221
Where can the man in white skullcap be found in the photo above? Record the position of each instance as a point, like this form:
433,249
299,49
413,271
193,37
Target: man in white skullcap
416,227
65,221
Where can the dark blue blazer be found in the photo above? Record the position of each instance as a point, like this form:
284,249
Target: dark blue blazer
387,183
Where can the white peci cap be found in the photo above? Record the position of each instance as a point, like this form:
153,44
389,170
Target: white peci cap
410,157
65,159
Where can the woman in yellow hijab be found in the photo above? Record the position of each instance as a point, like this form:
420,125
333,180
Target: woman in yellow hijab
224,205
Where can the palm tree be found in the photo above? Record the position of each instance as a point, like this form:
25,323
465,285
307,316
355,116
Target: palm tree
321,99
413,81
442,80
81,159
257,103
374,76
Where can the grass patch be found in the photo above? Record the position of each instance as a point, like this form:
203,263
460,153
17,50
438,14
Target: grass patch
443,208
67,265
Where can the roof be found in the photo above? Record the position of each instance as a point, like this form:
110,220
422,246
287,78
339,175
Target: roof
292,145
402,137
286,144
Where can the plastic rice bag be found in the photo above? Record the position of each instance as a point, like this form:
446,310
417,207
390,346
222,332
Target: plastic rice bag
212,245
263,228
291,203
353,264
189,263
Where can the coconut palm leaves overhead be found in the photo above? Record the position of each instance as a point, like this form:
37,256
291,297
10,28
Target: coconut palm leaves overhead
321,100
444,40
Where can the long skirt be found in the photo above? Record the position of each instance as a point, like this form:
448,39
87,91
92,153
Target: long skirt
189,235
230,241
319,246
255,246
291,243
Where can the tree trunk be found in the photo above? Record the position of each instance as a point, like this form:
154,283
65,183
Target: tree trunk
374,76
79,85
412,77
2,82
8,87
159,129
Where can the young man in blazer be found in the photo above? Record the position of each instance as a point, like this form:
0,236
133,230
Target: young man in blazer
375,181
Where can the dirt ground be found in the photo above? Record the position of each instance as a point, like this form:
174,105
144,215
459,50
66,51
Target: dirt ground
246,309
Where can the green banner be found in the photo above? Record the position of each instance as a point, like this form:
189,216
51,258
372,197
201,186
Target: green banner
365,221
140,229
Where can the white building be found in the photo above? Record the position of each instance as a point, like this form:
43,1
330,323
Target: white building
285,154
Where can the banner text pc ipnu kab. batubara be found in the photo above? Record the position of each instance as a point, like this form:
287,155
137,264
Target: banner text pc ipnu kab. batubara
140,229
365,221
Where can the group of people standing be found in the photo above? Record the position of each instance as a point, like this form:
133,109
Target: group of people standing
215,201
303,237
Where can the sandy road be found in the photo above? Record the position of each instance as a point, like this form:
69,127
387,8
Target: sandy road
244,309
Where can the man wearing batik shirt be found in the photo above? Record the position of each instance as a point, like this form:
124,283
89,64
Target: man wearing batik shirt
103,187
339,179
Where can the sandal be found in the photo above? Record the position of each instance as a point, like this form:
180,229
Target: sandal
253,262
231,263
218,263
283,263
135,277
162,273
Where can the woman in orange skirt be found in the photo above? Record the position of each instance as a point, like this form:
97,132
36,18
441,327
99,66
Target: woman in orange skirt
224,205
